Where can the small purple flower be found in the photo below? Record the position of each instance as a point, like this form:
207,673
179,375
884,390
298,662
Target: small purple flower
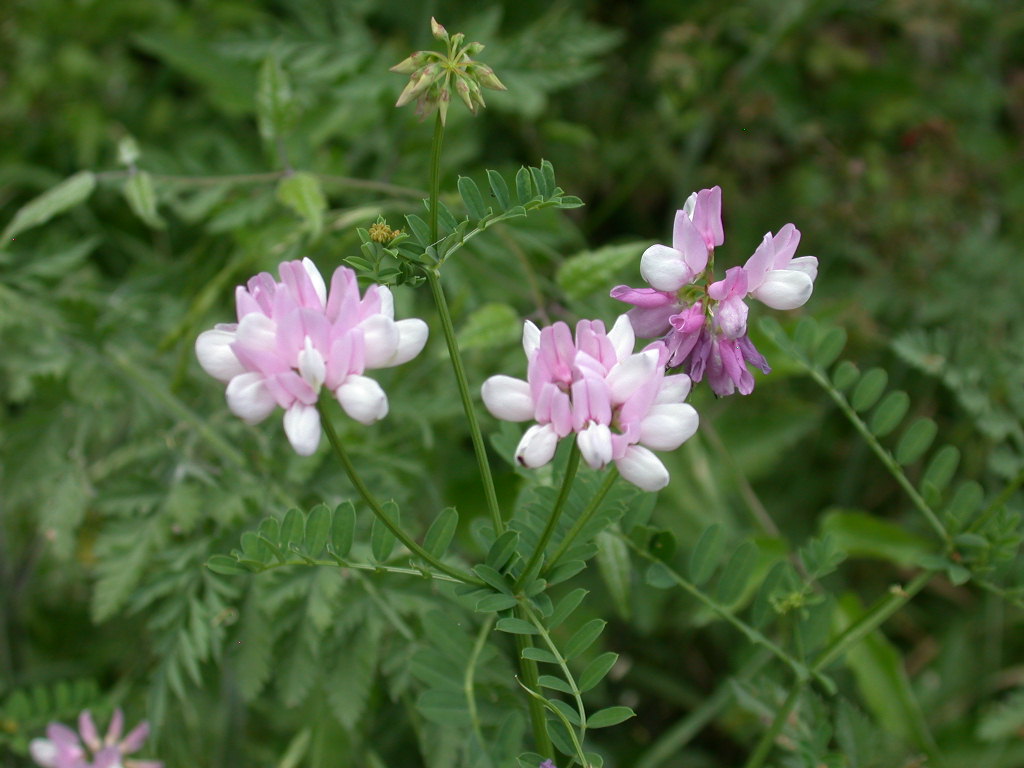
703,323
547,764
63,748
619,403
293,337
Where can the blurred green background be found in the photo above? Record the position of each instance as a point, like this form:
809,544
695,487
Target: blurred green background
889,132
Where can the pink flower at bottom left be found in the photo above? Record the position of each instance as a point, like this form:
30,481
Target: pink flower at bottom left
293,337
63,748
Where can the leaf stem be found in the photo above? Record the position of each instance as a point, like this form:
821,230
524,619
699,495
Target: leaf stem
378,510
584,518
556,512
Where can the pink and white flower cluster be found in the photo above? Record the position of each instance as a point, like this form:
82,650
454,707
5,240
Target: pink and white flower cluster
294,337
63,748
619,404
704,323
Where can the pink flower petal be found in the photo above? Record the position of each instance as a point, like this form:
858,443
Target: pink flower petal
646,298
688,240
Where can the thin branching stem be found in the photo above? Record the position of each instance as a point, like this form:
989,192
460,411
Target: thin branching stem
376,567
468,682
584,518
556,513
531,681
378,510
764,746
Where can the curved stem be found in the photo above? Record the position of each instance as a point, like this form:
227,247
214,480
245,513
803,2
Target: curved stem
556,512
378,510
584,518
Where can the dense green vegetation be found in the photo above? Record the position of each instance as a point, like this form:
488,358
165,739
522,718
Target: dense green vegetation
889,132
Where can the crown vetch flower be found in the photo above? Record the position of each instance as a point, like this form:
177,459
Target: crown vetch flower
619,404
703,322
63,748
294,337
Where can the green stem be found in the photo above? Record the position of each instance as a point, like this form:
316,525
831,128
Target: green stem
764,746
556,512
339,562
468,685
475,433
531,679
378,510
871,621
584,518
448,328
435,175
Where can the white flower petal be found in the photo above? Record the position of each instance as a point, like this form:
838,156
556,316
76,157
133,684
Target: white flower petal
629,375
595,443
44,752
362,399
668,426
785,289
213,349
302,426
508,398
643,469
537,446
531,339
312,366
317,279
249,399
806,264
622,337
674,389
664,268
387,302
412,336
380,337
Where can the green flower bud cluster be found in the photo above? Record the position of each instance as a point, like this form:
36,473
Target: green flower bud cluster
433,75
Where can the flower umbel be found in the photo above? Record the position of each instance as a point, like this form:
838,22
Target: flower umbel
433,75
294,337
619,404
63,748
704,323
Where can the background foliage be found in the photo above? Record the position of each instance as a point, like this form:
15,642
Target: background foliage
888,132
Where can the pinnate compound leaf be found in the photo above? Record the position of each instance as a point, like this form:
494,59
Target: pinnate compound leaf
588,272
613,563
609,716
69,193
439,535
274,100
492,578
524,186
555,684
706,554
829,347
343,528
845,375
595,671
584,638
492,325
350,683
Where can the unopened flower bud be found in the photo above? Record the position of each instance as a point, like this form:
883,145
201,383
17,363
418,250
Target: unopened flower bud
487,78
439,32
443,99
411,64
419,81
463,88
474,48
